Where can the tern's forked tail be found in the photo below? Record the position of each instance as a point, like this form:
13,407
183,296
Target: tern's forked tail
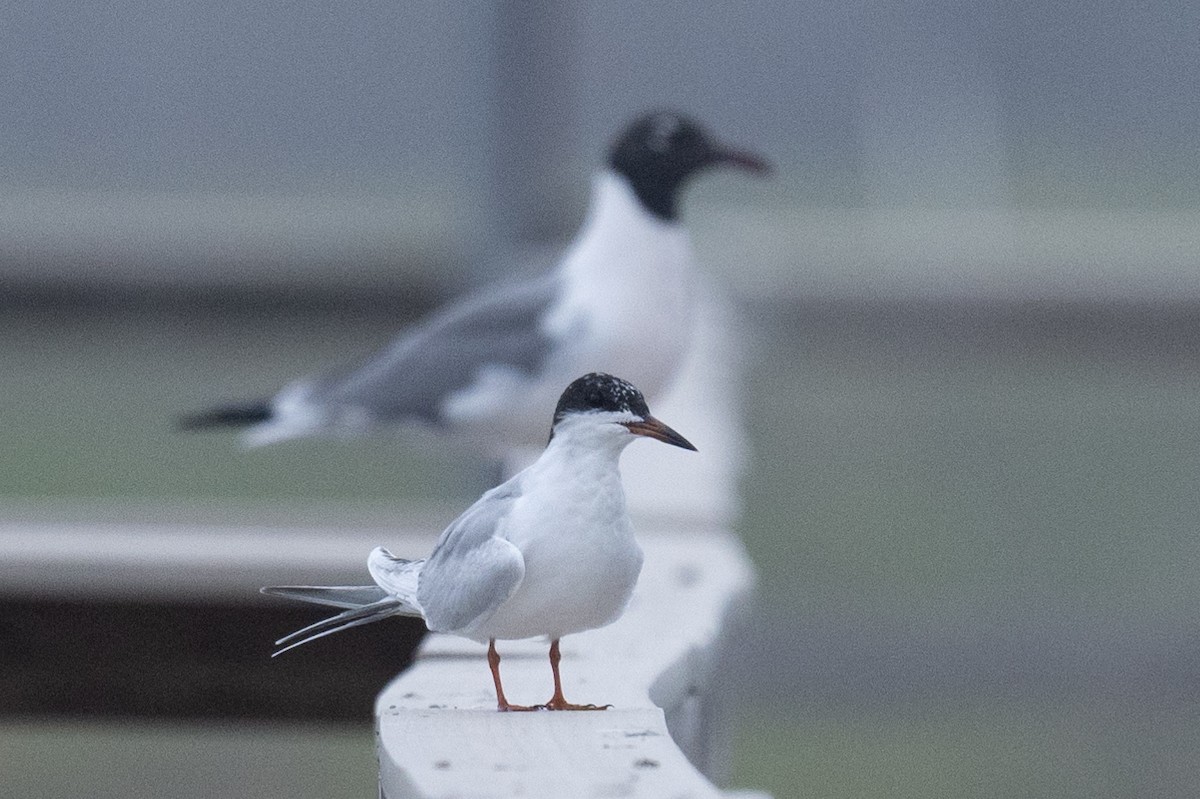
342,621
394,594
363,604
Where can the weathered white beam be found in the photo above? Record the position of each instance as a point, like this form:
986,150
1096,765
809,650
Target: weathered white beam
793,253
780,251
174,239
440,734
175,562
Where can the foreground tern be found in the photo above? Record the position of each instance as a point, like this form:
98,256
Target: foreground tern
489,368
550,552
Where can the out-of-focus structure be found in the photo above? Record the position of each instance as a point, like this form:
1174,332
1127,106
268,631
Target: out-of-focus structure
963,348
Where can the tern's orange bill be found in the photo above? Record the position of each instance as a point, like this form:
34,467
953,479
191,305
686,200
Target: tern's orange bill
652,428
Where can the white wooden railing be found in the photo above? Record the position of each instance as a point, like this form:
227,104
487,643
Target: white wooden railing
661,666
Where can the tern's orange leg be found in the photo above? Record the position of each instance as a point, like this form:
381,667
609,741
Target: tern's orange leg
494,662
558,701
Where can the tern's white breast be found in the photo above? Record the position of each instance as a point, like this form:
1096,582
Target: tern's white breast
581,558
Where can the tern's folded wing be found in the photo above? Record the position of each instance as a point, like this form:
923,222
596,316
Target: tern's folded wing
472,571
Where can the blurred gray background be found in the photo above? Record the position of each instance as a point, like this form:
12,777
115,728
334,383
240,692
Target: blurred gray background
975,346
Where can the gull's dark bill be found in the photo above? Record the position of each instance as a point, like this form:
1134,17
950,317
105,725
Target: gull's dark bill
741,159
652,428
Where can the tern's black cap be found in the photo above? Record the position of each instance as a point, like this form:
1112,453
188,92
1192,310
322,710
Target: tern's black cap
600,392
660,151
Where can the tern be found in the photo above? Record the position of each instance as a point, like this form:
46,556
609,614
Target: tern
549,552
487,370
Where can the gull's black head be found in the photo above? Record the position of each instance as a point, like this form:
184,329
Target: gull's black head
598,394
659,152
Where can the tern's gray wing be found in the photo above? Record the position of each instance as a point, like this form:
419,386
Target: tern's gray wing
472,570
411,377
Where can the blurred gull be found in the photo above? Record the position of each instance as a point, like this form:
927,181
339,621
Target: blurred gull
549,552
488,368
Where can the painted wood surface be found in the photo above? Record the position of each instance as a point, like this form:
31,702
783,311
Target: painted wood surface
660,666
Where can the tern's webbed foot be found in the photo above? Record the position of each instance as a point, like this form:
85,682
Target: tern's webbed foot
558,703
505,707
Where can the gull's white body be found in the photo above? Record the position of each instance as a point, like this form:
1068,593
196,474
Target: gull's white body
625,306
623,302
486,370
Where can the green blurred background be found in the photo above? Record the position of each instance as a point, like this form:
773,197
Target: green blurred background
974,526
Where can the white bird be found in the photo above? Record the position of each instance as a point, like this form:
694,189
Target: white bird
549,552
487,369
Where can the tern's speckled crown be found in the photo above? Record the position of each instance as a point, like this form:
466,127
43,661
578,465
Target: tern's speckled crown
600,392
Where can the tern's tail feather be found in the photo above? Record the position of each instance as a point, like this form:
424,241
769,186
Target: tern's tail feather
395,594
337,596
343,621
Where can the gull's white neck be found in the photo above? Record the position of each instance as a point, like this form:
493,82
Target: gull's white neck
628,279
620,233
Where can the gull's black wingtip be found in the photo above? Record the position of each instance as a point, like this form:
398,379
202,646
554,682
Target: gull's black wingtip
243,415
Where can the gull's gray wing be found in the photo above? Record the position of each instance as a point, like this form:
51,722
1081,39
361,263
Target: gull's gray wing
412,376
472,570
